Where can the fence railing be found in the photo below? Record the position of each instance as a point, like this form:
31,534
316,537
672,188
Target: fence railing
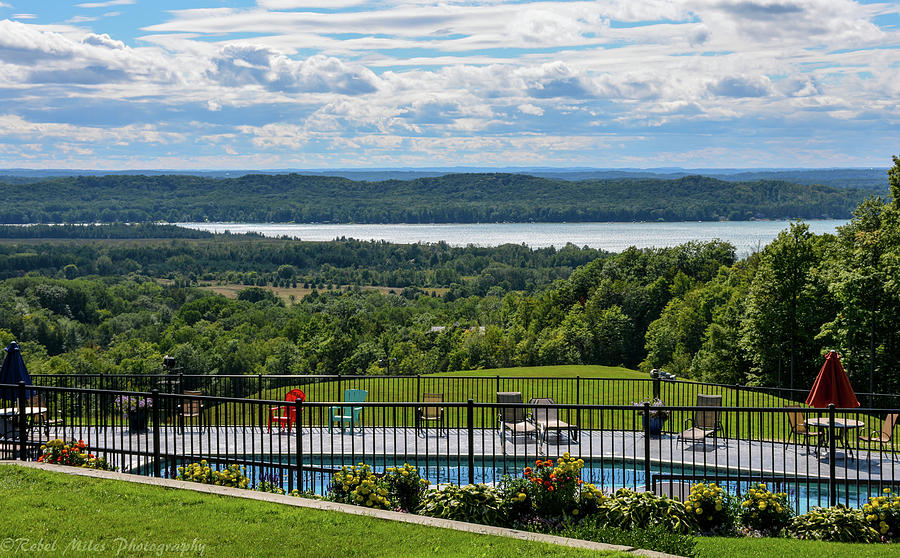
482,389
817,456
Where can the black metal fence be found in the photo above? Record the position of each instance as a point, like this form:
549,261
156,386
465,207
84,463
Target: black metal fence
482,389
817,456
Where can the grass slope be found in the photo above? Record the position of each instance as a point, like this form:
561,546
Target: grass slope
56,508
720,547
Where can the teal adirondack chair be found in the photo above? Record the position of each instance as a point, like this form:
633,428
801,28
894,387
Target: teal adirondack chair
345,415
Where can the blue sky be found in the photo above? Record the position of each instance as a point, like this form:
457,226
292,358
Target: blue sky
130,84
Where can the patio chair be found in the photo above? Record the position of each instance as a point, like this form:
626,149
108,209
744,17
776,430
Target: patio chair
513,419
434,414
286,415
886,436
41,420
705,422
190,408
348,414
547,420
797,422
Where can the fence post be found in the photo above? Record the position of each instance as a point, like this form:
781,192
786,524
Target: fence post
23,432
498,384
578,401
154,413
832,479
470,425
181,382
646,421
258,385
657,389
418,387
298,410
340,393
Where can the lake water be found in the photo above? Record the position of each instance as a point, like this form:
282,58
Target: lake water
746,236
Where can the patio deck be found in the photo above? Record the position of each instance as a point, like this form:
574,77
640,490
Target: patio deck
760,458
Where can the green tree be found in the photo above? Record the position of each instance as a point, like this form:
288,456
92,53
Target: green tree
786,307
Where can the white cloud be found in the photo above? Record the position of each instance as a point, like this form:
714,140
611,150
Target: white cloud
106,4
533,110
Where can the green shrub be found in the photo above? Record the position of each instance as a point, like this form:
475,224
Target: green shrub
764,510
883,514
556,491
656,537
270,487
232,475
405,487
475,503
358,485
515,503
837,524
712,508
630,510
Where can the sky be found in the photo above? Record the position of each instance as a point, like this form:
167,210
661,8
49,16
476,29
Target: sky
274,84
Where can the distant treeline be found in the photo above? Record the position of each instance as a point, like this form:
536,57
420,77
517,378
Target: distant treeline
255,260
98,231
455,198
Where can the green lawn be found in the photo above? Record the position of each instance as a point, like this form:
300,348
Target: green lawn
84,516
719,547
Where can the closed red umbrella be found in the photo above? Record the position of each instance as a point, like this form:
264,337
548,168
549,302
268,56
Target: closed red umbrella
832,386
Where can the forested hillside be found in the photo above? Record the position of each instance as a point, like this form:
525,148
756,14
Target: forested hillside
93,305
458,198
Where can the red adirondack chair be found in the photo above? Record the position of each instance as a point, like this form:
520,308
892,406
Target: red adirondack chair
286,415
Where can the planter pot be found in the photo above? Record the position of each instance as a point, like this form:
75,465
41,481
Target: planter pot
137,421
656,424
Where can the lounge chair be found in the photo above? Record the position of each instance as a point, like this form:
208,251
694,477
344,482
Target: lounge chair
705,422
512,420
547,420
348,414
886,435
286,415
433,414
797,422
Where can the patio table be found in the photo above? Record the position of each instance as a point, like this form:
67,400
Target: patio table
842,427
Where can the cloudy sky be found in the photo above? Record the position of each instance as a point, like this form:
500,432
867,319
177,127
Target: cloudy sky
266,84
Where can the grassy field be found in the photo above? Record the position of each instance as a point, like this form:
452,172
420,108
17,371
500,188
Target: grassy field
82,516
720,547
231,290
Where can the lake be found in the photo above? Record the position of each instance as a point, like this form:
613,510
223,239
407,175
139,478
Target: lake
746,236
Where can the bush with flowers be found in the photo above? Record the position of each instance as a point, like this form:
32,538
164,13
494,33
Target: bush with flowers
358,485
711,508
765,511
130,404
232,475
883,514
557,490
72,453
405,486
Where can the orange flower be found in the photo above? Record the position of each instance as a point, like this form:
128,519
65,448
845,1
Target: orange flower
527,471
549,463
550,488
538,463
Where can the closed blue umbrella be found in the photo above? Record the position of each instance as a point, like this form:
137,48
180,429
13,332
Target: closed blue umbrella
13,371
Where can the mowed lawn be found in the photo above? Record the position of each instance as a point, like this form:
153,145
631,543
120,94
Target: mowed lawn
83,516
721,547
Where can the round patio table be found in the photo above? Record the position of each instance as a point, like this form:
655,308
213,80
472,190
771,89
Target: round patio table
842,427
29,411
